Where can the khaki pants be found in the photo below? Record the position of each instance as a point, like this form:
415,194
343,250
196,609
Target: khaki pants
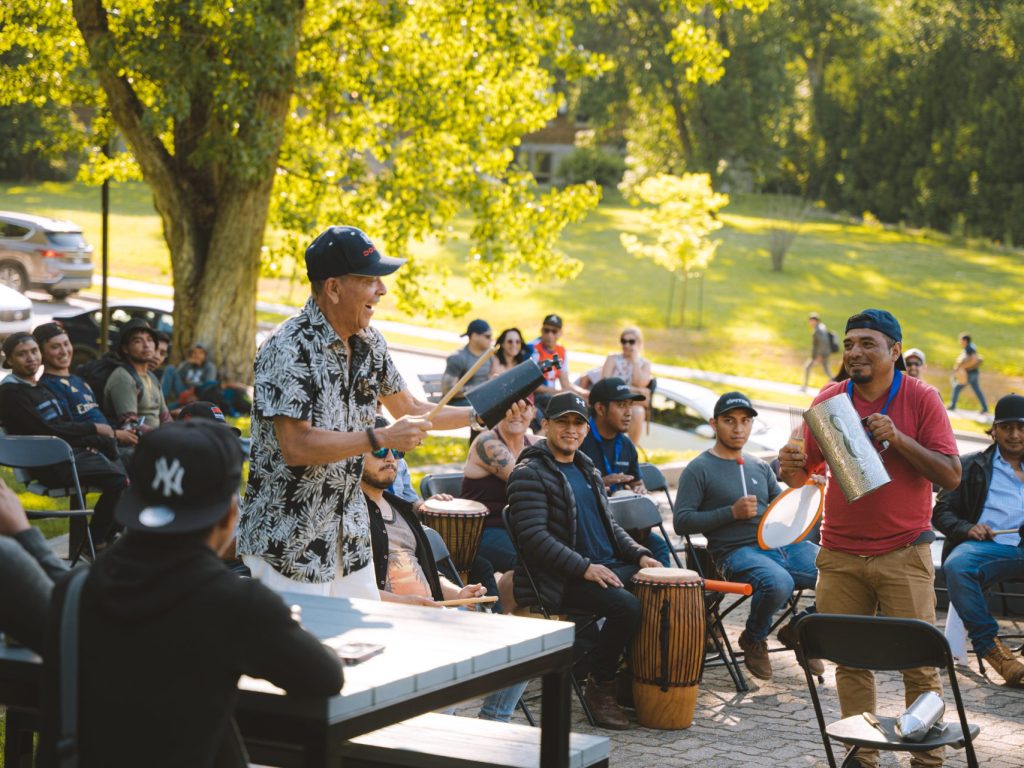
900,584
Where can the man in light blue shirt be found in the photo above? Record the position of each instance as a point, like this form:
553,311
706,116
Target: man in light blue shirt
983,520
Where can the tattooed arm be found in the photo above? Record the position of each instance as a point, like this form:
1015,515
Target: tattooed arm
494,455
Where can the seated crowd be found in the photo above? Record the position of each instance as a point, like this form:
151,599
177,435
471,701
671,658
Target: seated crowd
162,591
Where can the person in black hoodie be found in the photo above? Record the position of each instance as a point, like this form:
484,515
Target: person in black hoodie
578,555
29,409
165,629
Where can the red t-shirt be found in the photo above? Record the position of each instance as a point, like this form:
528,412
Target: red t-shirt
897,513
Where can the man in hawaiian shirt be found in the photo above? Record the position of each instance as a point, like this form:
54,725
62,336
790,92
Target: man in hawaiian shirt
304,524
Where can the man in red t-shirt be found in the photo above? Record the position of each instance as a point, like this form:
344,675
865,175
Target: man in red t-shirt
876,552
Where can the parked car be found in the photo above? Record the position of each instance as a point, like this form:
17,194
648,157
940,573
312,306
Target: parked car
15,312
679,421
84,328
46,254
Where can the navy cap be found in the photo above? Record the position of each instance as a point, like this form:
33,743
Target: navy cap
183,477
133,325
12,342
477,326
611,389
201,409
43,333
1009,408
882,321
563,403
339,251
732,400
553,320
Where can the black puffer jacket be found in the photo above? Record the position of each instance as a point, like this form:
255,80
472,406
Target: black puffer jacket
958,510
542,513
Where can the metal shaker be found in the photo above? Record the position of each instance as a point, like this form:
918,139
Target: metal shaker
925,712
848,451
492,399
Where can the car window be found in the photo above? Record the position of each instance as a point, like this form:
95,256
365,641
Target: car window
165,323
7,229
119,317
67,239
673,414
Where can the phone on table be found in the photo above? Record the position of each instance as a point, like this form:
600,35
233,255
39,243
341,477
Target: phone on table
356,653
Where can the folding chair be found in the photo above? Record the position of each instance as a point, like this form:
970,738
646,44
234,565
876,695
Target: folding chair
443,559
881,643
639,512
654,481
581,625
26,452
449,482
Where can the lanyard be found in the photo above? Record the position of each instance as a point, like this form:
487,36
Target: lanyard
897,379
616,449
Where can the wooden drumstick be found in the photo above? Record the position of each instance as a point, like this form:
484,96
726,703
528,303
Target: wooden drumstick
462,382
468,601
1007,530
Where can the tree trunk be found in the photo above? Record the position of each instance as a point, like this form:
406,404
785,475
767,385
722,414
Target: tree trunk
213,216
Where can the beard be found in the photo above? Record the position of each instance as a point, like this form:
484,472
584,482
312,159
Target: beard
381,481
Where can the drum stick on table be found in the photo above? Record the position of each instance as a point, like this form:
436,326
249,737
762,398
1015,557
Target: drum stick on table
468,601
461,382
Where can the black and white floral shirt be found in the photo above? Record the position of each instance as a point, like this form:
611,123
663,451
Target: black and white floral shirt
292,516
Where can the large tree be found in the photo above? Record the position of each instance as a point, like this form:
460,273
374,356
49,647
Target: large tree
393,115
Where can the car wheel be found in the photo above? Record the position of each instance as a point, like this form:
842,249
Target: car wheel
12,274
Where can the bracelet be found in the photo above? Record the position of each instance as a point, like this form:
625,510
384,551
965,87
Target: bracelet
374,442
474,420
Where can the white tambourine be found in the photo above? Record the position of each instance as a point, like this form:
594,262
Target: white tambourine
791,516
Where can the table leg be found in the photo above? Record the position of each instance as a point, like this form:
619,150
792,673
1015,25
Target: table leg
555,720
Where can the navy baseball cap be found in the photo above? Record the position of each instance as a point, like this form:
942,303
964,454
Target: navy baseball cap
882,321
340,250
183,477
553,320
12,342
477,326
202,409
563,403
732,400
611,389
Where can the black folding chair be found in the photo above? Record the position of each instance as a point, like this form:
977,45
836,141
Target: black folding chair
443,559
448,482
639,513
881,643
582,622
23,453
654,481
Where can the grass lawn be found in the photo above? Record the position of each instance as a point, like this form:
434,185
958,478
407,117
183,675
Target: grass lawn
754,320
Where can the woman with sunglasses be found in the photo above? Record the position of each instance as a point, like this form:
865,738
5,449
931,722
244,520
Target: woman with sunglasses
631,367
512,351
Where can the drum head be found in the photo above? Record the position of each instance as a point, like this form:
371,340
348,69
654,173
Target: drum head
791,516
666,576
466,507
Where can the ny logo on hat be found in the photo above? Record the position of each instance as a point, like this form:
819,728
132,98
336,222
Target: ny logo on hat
170,476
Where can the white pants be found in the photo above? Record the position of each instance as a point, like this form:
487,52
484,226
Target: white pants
361,584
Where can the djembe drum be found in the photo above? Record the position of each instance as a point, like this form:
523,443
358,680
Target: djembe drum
461,524
668,650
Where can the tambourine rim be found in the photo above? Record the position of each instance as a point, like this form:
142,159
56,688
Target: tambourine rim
814,519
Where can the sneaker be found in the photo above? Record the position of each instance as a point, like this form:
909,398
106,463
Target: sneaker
787,636
1002,660
600,697
755,656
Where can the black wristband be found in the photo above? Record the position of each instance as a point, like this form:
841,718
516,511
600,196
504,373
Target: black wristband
374,442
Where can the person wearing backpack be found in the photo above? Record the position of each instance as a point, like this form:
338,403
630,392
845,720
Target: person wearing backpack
132,393
823,344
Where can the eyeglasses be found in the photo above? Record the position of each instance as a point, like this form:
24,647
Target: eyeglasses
627,341
514,341
383,452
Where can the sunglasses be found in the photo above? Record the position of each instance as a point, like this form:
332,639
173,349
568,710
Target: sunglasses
912,364
627,341
549,330
383,452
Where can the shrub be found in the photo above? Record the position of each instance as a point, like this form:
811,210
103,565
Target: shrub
592,164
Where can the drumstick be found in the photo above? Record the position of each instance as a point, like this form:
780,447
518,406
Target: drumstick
461,382
743,476
1007,530
468,601
732,587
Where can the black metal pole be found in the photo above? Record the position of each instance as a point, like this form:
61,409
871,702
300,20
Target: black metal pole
104,314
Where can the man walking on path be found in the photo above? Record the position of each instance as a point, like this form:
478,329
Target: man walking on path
966,371
876,551
821,348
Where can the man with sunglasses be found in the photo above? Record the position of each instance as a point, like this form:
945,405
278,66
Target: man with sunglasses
479,339
876,551
546,347
983,519
319,377
914,360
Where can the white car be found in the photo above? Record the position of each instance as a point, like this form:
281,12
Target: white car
679,421
15,312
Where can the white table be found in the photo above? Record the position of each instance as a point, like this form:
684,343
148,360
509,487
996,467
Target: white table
432,658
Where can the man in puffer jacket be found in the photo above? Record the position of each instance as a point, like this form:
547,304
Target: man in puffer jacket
579,557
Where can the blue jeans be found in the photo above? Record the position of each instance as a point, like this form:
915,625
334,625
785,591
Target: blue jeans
496,546
774,574
501,704
971,567
972,379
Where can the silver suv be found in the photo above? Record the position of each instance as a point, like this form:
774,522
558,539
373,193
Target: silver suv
37,252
